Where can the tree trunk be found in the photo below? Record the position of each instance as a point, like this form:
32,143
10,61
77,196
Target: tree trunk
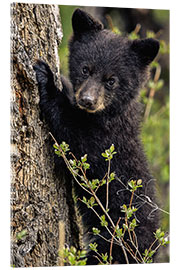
39,210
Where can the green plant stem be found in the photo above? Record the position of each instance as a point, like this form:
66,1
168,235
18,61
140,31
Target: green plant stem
136,246
107,184
152,93
132,195
132,242
152,246
68,164
98,259
140,198
131,252
120,241
100,183
100,219
110,252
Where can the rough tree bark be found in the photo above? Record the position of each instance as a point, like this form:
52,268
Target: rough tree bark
39,209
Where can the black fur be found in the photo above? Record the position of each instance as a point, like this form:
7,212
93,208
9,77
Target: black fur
97,108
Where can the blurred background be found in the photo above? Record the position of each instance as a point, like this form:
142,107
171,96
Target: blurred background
141,23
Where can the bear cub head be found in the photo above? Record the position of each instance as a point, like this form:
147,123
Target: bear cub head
106,69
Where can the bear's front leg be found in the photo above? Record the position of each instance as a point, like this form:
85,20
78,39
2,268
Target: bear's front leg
50,96
45,79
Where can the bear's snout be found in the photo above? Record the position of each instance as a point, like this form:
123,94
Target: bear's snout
87,101
90,96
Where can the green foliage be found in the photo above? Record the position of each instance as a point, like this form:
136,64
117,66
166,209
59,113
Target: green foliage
90,203
104,257
103,221
93,246
163,241
134,185
129,211
116,30
63,146
160,236
72,256
133,225
155,85
95,231
133,35
119,233
21,234
148,256
108,154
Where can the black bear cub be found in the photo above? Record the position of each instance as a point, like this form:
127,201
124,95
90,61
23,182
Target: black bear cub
99,107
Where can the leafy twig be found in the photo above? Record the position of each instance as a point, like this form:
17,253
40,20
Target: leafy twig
152,92
110,252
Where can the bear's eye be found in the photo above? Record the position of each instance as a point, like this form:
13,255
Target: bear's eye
110,82
85,71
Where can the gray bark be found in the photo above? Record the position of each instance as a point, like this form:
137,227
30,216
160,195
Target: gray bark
40,221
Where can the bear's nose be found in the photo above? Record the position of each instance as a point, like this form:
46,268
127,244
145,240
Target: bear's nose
86,101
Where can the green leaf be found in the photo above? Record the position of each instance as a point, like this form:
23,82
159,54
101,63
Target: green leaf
73,250
164,48
133,224
150,34
73,163
108,154
104,257
103,221
94,183
104,155
65,147
159,84
56,146
95,231
133,36
148,256
119,233
86,166
154,64
160,235
83,253
112,176
72,256
93,246
125,226
151,84
128,211
134,185
58,153
112,148
116,30
21,234
84,158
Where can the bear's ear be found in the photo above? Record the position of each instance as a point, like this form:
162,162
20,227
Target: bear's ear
83,22
145,49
